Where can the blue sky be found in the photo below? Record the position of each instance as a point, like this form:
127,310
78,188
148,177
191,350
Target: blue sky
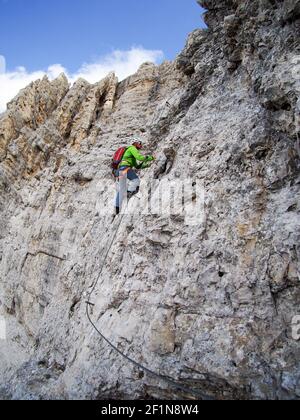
76,36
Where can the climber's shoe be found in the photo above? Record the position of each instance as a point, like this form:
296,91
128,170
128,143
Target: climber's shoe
131,194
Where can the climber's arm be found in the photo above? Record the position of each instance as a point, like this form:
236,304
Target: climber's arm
148,162
135,153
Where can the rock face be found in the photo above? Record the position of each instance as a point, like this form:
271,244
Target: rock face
209,306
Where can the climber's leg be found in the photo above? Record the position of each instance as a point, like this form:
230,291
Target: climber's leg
134,184
128,186
121,189
118,201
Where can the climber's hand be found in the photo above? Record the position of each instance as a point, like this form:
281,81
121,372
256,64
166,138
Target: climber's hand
150,158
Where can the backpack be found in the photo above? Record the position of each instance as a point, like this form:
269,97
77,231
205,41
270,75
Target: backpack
117,159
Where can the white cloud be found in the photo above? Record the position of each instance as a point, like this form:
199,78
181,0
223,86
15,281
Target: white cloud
2,64
124,63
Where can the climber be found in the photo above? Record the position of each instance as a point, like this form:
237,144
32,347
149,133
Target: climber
131,159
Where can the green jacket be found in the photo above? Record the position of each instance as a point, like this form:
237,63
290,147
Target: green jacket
132,157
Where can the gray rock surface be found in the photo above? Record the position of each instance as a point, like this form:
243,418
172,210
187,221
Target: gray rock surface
210,306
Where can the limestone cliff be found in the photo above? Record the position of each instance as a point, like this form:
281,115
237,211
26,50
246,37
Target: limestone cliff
211,306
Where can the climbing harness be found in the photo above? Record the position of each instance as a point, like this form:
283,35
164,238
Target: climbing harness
123,172
90,304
